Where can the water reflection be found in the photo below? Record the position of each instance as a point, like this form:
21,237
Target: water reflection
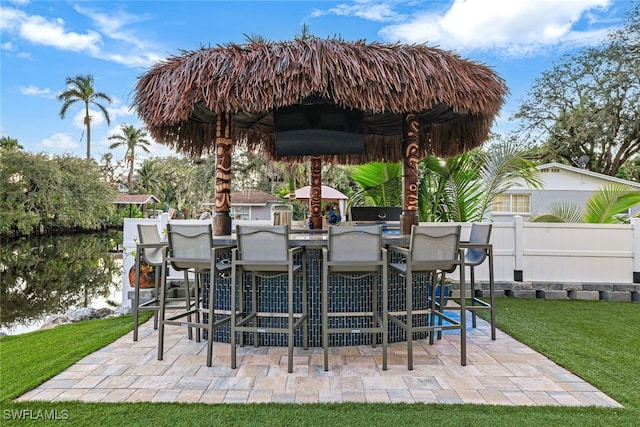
44,276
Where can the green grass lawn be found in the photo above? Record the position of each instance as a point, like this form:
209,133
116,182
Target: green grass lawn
599,341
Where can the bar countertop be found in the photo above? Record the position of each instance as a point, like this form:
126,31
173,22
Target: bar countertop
315,239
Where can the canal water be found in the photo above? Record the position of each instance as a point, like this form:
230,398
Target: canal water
43,277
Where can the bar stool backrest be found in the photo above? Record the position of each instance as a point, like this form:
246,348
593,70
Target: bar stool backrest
148,235
434,247
190,246
359,243
480,233
263,243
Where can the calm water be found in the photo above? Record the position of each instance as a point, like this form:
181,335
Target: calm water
43,277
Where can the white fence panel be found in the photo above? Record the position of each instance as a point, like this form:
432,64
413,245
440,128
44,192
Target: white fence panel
577,253
503,241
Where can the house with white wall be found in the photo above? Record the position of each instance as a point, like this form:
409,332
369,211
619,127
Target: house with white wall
253,204
561,183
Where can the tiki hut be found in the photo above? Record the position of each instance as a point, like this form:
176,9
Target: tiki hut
391,102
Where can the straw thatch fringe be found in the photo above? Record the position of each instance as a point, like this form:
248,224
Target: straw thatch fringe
455,99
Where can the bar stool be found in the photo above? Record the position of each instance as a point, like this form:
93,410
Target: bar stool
264,252
355,253
478,249
191,250
150,250
432,248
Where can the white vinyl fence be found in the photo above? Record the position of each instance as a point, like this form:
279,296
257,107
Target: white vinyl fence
526,255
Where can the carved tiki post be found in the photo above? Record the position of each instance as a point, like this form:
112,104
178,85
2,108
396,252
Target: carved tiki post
315,193
409,215
224,148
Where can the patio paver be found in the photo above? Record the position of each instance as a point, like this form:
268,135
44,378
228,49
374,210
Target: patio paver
501,372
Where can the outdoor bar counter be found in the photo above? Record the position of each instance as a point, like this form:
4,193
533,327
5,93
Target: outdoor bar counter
352,295
317,239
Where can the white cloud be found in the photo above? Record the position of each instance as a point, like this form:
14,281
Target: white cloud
10,18
32,90
52,32
97,118
141,60
117,111
127,49
60,142
507,27
113,24
11,47
372,11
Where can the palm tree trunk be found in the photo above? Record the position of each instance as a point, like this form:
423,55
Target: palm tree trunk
131,174
87,121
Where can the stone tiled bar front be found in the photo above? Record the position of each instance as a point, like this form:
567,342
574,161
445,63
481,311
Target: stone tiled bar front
348,294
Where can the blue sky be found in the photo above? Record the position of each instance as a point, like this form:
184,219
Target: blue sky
43,42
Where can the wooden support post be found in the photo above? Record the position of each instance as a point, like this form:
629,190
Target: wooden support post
409,215
315,193
224,148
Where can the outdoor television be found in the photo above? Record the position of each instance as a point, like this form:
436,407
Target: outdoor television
317,129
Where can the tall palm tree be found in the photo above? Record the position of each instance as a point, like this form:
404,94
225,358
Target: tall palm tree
80,89
131,139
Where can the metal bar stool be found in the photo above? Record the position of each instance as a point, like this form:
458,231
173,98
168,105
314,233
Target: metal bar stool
264,252
149,250
191,249
478,249
432,248
355,253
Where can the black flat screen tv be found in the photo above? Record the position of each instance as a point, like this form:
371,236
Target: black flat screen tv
317,129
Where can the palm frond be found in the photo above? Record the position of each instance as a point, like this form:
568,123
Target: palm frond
608,202
502,164
561,212
380,184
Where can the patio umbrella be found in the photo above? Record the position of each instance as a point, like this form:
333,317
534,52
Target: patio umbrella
414,101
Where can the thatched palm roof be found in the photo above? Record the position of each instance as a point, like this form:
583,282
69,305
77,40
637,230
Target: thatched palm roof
456,100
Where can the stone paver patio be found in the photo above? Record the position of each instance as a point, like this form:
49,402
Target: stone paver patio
501,372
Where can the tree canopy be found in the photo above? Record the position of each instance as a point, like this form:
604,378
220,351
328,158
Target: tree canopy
41,194
587,104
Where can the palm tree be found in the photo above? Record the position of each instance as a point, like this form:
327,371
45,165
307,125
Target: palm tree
149,177
450,190
607,205
380,184
457,189
131,138
80,88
